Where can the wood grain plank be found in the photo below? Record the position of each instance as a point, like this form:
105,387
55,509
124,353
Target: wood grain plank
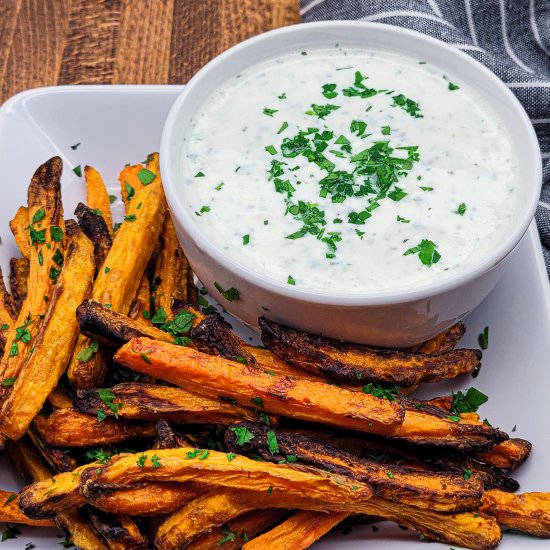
36,45
202,30
8,23
143,54
89,56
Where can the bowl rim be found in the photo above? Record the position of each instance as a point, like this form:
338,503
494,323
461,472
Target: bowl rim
328,297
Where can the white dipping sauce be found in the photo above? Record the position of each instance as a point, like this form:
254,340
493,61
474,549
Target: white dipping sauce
464,161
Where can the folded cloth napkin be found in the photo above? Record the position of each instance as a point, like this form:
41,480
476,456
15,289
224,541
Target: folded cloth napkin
510,37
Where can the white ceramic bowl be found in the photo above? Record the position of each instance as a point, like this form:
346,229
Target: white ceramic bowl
384,318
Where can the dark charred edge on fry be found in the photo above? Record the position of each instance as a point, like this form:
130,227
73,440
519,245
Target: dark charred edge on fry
214,336
57,459
47,509
19,275
112,529
304,350
95,228
47,178
398,453
167,438
9,301
318,454
109,328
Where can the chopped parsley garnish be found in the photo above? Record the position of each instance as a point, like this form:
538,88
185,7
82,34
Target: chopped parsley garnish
427,188
329,91
39,215
282,96
108,398
75,146
454,418
402,220
242,434
231,456
56,233
357,127
452,87
203,210
467,473
112,198
386,130
78,170
269,112
141,461
87,353
219,186
272,442
229,536
146,176
389,473
461,209
271,150
231,294
130,191
57,257
246,239
426,251
468,402
407,105
7,382
130,218
382,392
10,498
199,175
37,236
10,532
204,455
145,357
483,339
269,490
397,194
291,280
107,269
322,111
283,127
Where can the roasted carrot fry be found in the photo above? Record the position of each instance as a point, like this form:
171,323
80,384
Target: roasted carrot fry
116,283
70,428
299,531
170,270
7,313
236,532
10,513
183,464
18,226
151,402
280,395
359,364
507,455
528,512
448,492
55,341
148,499
47,235
476,531
130,183
97,197
71,521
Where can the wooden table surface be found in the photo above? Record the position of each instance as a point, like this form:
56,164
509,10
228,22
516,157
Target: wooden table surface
49,42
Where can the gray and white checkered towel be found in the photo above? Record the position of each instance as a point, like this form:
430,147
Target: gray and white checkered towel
510,37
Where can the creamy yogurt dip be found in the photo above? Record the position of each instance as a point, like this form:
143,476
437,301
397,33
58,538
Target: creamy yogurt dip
350,170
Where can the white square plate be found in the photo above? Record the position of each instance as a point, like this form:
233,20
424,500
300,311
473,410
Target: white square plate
119,124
